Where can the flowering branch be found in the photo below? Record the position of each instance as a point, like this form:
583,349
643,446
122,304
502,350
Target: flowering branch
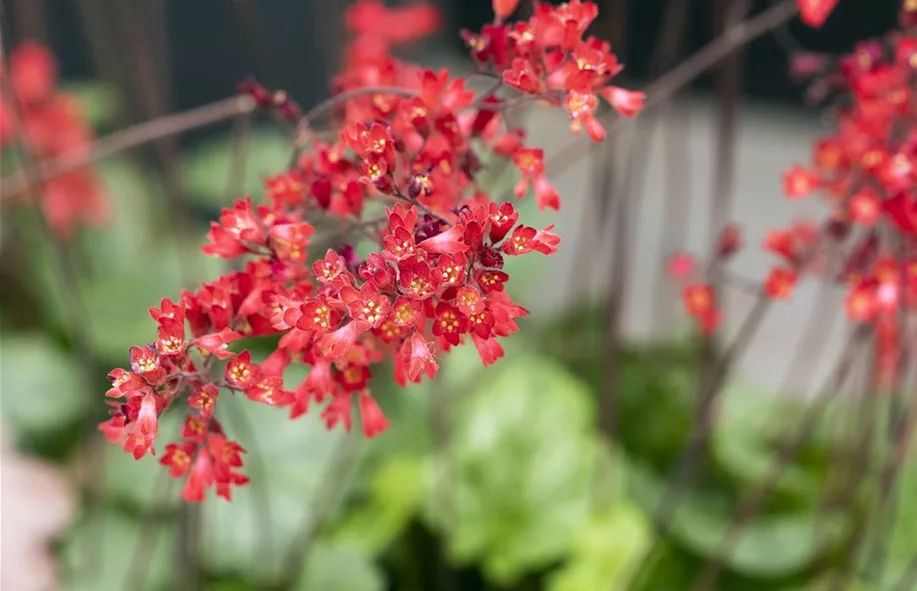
410,139
126,139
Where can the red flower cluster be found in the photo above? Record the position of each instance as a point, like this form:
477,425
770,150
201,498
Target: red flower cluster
52,124
548,56
867,171
409,142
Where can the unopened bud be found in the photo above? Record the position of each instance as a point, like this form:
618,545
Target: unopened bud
491,258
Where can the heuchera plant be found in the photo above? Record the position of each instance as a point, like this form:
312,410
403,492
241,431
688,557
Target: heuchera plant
865,169
412,139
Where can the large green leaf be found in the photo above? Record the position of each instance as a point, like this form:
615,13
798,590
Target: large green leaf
43,387
522,459
605,551
770,546
101,554
745,438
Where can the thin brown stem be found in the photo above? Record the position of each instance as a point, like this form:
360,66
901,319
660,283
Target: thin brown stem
677,78
185,575
125,139
728,93
749,506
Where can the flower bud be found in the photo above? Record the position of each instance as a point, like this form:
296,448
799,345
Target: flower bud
491,258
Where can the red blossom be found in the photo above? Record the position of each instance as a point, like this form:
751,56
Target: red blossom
218,343
800,182
374,422
780,283
626,102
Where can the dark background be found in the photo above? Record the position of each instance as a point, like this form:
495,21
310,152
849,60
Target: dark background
210,45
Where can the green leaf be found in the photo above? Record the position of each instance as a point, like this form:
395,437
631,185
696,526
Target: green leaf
100,102
605,552
43,387
523,454
902,542
98,554
770,546
208,167
744,444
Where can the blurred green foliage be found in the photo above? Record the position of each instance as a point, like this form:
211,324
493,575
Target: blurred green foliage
497,477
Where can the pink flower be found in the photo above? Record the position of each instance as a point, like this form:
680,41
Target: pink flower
38,504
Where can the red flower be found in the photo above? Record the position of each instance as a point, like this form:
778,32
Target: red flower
865,207
201,478
336,344
523,77
417,356
800,182
860,303
205,398
218,343
449,323
145,363
366,305
815,12
194,428
374,422
140,440
504,8
520,241
780,283
339,411
680,266
490,281
289,241
178,457
269,390
546,241
448,242
700,303
626,102
488,349
124,383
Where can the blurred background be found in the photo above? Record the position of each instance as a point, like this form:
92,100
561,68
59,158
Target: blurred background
501,478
